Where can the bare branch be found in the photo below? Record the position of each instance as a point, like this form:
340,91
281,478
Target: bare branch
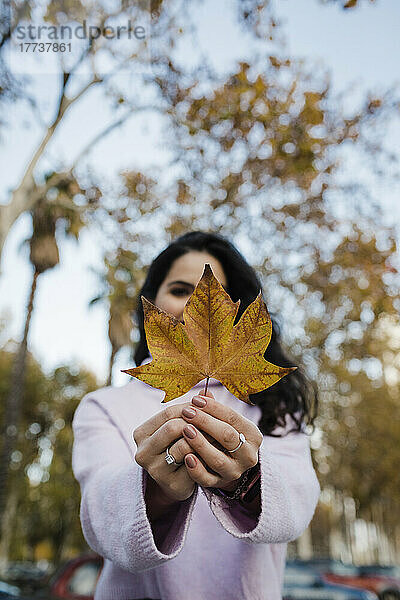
95,80
89,147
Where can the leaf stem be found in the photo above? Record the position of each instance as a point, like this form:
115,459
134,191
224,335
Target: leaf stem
205,391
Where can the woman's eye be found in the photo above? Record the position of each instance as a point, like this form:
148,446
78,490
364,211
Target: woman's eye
180,292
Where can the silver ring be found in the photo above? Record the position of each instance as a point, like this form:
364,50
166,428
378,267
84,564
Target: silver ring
170,460
242,441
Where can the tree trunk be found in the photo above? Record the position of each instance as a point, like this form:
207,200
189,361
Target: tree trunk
58,542
28,192
13,404
114,351
305,545
7,529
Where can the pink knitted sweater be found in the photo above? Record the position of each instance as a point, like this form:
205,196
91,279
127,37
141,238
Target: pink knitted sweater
207,550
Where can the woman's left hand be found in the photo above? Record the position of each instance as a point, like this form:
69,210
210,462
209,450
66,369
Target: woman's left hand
214,421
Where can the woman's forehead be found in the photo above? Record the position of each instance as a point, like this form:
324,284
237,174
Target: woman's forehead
190,266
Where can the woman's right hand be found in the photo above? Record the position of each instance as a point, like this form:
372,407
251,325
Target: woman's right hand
153,437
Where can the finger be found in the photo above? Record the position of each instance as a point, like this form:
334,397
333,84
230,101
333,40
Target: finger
178,450
151,425
219,462
179,484
209,394
147,428
227,415
174,479
225,433
166,435
198,472
222,432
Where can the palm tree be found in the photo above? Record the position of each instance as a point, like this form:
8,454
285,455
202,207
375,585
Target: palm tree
119,288
43,255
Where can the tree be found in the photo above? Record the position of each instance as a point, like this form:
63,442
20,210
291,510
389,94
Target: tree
119,289
44,255
11,87
355,341
32,185
45,494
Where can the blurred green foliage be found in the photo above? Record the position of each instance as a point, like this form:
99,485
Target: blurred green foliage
45,493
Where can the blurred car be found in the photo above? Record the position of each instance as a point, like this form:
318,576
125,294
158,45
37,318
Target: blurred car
9,591
382,580
303,583
25,575
74,580
386,570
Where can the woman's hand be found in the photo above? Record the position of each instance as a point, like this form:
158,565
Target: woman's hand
153,437
214,421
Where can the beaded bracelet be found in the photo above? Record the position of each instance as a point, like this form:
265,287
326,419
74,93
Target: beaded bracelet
249,481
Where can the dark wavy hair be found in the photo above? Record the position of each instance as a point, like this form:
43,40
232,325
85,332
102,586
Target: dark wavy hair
294,394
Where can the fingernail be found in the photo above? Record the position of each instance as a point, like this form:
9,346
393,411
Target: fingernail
198,401
191,461
190,431
189,413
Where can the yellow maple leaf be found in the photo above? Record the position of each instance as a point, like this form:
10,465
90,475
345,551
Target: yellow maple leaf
208,344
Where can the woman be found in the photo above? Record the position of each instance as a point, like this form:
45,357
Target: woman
201,503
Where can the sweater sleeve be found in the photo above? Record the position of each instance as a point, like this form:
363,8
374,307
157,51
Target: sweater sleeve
289,494
113,510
